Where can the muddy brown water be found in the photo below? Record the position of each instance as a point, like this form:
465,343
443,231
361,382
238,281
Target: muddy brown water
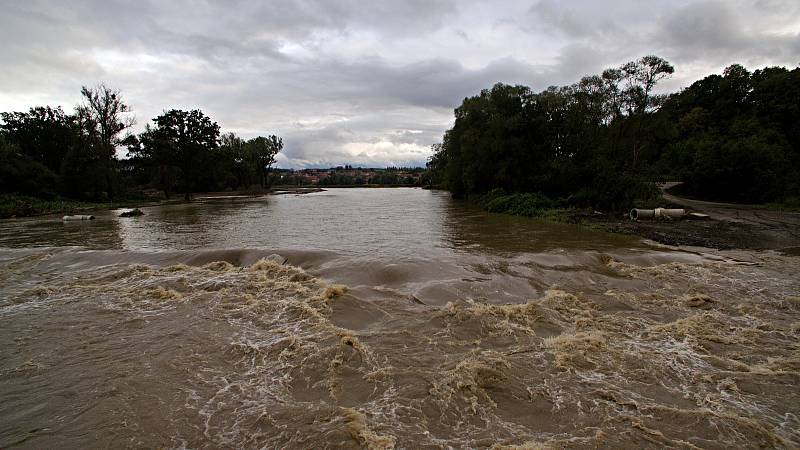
382,318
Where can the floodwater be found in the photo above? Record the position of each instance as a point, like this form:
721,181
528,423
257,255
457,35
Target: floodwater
386,318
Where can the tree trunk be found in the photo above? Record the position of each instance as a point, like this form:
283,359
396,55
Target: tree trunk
109,185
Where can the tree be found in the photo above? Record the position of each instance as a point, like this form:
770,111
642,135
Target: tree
44,134
641,77
233,152
263,151
65,146
19,173
561,142
736,135
109,113
85,168
182,140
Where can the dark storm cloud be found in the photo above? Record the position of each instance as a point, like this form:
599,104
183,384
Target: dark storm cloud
369,83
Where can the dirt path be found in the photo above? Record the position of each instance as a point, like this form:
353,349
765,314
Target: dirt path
729,226
730,212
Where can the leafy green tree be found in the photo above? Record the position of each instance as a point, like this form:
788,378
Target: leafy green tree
641,77
64,148
84,169
565,141
21,174
43,134
109,113
736,135
236,160
263,151
181,147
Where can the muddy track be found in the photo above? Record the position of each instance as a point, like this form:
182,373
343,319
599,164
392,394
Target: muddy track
729,226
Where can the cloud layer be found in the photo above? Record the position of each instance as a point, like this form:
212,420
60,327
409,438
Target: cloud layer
366,83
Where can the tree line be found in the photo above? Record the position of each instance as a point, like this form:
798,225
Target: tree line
47,152
605,140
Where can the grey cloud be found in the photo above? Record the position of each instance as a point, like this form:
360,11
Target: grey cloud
571,20
361,82
431,83
716,30
707,25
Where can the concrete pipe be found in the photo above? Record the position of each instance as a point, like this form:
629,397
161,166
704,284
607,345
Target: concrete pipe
669,214
77,217
658,213
642,214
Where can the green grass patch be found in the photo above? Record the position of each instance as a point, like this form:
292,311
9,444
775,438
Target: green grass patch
790,204
524,204
14,205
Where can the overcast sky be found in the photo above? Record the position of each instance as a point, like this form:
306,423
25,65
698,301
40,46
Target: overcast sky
369,83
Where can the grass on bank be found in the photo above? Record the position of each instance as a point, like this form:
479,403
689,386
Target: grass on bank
559,210
790,204
525,204
14,205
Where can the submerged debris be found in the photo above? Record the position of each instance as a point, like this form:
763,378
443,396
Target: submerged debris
77,217
132,213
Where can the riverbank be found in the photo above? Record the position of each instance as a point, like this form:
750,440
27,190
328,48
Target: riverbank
728,226
13,206
713,233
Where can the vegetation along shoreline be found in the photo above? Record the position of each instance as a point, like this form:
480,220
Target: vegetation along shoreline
591,151
583,153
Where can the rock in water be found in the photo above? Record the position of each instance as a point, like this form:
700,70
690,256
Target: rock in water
132,213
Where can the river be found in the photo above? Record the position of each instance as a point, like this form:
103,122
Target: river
381,318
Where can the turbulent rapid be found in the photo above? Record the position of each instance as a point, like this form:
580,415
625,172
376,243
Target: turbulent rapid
527,337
